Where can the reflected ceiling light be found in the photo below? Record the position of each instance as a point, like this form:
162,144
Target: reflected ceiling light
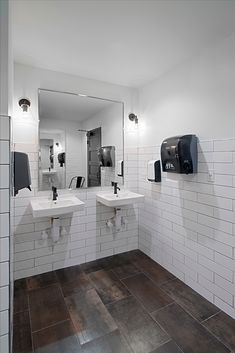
82,95
24,103
133,117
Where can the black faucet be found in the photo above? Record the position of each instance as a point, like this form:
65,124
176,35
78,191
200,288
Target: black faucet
116,188
55,194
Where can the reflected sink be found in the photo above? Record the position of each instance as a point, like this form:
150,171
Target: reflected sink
49,172
42,207
122,198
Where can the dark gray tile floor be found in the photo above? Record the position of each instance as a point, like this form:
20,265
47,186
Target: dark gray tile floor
122,304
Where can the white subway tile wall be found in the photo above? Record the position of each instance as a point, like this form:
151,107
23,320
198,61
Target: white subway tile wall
85,236
187,222
4,232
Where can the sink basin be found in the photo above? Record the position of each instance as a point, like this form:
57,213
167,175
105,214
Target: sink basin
42,207
122,198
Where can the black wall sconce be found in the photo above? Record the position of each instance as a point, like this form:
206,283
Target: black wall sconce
24,103
133,117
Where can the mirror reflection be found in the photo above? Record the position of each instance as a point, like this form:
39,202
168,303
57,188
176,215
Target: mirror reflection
80,141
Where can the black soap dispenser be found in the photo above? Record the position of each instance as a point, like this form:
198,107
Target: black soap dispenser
22,177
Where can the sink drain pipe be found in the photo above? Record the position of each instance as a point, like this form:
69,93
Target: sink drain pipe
55,229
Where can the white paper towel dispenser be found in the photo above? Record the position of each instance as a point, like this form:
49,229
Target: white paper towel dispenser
120,168
154,171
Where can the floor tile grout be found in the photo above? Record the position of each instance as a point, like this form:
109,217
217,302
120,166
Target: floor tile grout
131,294
52,325
30,322
200,323
208,318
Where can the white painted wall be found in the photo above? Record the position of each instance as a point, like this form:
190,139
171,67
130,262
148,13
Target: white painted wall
111,123
196,97
27,81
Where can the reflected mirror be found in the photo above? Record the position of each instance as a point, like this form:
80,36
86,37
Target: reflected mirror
80,140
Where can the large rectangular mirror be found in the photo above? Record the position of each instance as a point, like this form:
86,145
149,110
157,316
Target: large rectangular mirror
80,140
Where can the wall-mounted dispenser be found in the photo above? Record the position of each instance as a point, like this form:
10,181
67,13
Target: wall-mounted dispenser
120,168
106,155
22,178
179,154
154,171
61,158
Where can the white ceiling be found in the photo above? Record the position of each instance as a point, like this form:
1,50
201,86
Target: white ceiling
62,106
127,42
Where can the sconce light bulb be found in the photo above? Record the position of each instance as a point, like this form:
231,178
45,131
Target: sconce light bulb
24,107
24,103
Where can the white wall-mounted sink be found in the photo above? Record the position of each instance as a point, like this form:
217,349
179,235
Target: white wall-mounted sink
42,207
121,199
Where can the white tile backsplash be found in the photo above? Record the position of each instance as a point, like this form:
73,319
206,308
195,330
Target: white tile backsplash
215,201
4,322
4,224
4,231
4,343
224,145
4,176
4,152
4,273
4,298
4,128
4,201
4,249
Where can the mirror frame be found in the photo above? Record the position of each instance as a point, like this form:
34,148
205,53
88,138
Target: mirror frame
79,95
